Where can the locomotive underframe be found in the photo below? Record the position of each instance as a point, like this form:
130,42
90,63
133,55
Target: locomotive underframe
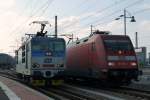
122,75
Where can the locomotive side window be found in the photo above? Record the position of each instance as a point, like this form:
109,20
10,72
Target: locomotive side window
116,45
16,57
19,56
23,54
27,51
85,40
27,47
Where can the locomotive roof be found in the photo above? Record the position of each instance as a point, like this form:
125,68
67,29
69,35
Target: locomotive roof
106,36
39,37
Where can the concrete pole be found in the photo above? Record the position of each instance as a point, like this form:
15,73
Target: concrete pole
124,21
55,26
136,39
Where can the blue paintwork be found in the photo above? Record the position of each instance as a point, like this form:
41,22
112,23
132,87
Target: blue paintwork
43,54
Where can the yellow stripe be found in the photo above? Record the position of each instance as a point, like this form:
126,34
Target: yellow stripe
57,82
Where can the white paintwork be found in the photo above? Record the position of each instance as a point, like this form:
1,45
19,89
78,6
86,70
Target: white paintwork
28,70
21,67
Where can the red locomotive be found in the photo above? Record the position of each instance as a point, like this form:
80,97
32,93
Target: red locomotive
102,57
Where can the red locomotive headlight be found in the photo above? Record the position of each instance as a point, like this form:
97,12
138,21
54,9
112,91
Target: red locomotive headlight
133,63
111,64
120,52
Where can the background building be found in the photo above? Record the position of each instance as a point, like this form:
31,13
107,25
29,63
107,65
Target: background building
149,58
141,56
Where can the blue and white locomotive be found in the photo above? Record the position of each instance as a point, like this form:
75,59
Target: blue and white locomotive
41,58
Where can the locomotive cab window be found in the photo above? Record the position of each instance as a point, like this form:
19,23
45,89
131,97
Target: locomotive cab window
85,40
116,45
16,56
77,42
46,45
42,45
23,54
59,46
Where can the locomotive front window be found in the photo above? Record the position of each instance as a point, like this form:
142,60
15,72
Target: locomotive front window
59,46
42,45
114,45
48,45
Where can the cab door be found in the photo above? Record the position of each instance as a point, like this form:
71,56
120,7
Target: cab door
91,54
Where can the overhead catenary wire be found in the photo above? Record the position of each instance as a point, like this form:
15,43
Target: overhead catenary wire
23,21
130,5
88,7
141,11
78,6
42,12
22,12
108,7
115,12
19,29
42,9
45,9
97,12
32,15
102,22
133,4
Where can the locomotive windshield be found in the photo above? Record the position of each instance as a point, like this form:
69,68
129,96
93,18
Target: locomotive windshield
58,46
115,45
45,45
41,46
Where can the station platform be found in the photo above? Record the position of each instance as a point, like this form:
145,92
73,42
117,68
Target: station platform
12,90
146,70
3,96
144,80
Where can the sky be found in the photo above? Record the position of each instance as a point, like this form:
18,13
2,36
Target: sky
74,17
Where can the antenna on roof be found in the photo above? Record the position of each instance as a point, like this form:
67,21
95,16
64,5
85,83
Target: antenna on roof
99,32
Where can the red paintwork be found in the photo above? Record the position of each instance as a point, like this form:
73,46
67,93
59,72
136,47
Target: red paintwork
126,64
81,56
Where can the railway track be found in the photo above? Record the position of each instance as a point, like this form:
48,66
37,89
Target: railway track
71,95
125,92
40,89
137,93
58,93
79,92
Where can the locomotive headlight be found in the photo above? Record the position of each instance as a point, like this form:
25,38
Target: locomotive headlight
111,63
48,53
57,65
133,63
60,65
